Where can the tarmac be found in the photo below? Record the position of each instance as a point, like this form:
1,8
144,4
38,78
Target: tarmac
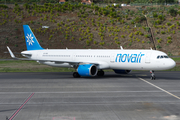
59,96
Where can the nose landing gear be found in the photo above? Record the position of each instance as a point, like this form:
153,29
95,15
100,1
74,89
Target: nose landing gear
152,75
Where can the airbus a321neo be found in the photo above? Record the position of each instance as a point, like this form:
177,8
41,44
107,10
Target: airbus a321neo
92,62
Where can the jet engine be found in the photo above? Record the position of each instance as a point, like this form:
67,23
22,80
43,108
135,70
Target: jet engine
122,71
87,70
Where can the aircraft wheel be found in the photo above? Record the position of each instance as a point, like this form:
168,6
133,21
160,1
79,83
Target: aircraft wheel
152,75
100,73
76,75
153,78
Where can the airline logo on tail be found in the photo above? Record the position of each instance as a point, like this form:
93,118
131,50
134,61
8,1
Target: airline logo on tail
30,39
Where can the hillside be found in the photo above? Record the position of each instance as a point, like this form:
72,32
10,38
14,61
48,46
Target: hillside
90,27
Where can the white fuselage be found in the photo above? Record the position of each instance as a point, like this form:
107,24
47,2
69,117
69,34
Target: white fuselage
103,58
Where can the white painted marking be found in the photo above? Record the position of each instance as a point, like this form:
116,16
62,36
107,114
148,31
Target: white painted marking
160,89
171,117
74,92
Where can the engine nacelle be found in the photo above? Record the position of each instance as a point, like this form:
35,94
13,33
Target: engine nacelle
87,70
122,71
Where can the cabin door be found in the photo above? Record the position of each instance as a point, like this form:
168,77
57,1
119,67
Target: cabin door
73,56
112,58
148,57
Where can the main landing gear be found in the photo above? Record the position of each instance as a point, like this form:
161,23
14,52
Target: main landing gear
76,75
100,73
152,75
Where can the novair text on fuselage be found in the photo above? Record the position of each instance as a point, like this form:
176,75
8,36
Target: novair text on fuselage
130,58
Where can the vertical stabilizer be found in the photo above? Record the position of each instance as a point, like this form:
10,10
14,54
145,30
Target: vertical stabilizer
31,41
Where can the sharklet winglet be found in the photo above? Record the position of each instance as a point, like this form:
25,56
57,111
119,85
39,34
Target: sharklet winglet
11,53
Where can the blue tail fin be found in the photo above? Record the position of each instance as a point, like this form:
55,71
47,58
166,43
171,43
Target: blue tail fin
31,41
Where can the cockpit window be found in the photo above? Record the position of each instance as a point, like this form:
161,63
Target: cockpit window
162,56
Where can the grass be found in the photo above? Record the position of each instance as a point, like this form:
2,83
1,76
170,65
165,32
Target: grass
176,68
29,66
176,59
15,62
53,69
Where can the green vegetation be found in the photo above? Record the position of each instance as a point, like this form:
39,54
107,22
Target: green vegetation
177,59
176,68
3,6
29,66
96,1
92,26
173,12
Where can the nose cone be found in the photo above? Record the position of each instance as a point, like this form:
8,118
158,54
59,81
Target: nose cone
171,63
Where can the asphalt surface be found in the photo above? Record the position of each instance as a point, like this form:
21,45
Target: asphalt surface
59,96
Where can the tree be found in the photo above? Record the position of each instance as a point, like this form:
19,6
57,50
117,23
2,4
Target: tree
173,12
154,1
151,1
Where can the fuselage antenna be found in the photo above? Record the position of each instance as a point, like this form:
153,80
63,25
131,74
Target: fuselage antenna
121,47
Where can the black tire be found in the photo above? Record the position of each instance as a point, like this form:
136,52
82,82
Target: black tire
153,78
100,73
76,75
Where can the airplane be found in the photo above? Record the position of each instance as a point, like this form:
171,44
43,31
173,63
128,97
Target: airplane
92,62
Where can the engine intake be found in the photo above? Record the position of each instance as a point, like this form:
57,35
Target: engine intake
87,70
